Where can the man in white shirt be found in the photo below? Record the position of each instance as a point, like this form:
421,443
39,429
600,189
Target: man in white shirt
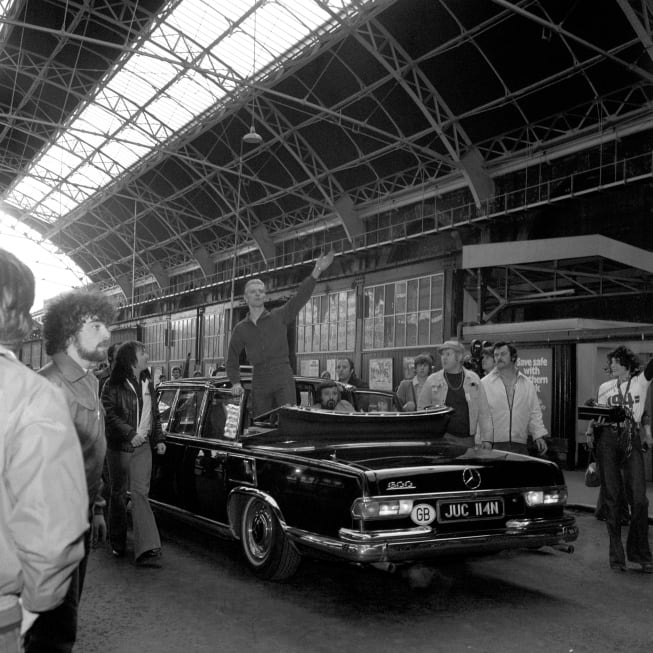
514,405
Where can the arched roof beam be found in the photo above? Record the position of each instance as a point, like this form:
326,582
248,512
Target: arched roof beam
640,22
385,49
558,29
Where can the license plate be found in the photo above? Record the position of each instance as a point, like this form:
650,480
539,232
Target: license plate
449,511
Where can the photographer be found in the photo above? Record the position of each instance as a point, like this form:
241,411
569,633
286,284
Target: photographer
617,442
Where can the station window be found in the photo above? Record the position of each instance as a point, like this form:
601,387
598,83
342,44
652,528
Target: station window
403,313
214,334
327,323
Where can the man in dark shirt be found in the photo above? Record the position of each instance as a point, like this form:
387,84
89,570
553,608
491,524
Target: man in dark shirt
262,334
470,423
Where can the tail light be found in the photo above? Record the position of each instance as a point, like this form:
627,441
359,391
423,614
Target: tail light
364,508
546,497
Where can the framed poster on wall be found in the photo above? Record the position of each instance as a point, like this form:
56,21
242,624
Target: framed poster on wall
380,374
408,367
310,367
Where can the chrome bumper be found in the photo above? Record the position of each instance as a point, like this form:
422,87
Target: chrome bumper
422,542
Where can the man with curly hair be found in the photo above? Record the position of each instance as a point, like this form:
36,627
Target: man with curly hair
618,445
42,488
76,336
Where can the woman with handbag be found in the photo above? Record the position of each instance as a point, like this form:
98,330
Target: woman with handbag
619,449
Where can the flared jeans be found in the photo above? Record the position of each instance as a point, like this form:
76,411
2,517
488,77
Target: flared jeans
131,471
611,462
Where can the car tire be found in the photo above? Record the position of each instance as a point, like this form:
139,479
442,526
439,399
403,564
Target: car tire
267,550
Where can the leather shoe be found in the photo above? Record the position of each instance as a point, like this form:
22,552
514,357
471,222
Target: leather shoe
117,553
151,558
618,566
647,567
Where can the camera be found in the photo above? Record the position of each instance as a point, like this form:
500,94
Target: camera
475,359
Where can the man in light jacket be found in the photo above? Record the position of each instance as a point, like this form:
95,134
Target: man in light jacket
43,504
514,405
459,388
76,336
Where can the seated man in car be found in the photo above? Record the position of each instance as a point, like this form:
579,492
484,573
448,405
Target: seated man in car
329,396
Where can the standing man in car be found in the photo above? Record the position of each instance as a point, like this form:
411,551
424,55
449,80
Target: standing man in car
77,338
262,334
459,388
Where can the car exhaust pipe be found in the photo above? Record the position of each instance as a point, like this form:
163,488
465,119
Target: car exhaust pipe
389,567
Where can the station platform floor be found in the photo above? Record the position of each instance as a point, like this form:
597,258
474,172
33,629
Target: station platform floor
584,498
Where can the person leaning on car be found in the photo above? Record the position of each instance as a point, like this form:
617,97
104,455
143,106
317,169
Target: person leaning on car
459,388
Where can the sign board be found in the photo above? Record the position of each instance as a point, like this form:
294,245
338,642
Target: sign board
536,363
380,374
310,367
408,367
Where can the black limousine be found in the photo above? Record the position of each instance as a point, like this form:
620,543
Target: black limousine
371,486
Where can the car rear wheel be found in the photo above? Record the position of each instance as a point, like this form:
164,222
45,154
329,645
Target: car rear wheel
267,550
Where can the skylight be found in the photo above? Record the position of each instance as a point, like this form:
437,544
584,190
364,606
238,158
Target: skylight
193,61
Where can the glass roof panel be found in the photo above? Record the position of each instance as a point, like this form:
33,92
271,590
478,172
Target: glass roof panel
201,49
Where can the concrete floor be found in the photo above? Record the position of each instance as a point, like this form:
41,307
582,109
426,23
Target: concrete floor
204,599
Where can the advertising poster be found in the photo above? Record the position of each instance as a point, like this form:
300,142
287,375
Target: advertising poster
310,367
536,364
408,367
380,374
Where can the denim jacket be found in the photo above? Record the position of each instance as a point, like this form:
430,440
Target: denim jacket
435,391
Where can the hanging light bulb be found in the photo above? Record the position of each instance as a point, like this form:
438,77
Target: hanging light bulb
252,137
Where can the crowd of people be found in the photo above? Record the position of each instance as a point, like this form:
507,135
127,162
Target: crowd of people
70,439
76,437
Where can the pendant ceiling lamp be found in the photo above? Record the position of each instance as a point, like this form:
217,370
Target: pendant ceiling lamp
252,137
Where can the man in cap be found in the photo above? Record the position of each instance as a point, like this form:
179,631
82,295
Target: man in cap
470,423
409,390
514,405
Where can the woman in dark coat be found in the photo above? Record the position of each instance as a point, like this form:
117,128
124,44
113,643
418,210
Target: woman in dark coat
133,428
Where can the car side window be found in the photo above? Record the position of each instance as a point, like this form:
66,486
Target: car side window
222,416
187,411
166,399
375,402
305,393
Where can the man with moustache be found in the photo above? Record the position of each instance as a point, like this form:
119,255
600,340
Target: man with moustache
514,405
329,396
76,336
